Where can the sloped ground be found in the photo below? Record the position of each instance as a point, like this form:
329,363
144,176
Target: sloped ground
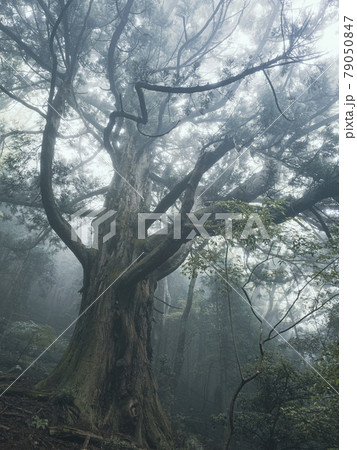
25,422
30,422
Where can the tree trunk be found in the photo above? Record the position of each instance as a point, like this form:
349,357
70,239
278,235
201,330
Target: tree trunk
181,339
107,367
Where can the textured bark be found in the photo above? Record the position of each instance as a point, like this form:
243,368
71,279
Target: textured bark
106,369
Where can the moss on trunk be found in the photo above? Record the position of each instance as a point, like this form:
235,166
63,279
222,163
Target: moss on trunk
106,369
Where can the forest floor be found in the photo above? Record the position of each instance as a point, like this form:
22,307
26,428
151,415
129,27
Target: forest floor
26,423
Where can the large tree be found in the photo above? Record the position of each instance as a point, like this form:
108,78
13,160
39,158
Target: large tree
164,98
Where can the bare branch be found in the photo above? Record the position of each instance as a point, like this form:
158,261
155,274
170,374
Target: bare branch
22,102
275,97
111,57
57,222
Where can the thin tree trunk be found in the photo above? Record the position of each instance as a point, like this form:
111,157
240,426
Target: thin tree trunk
180,349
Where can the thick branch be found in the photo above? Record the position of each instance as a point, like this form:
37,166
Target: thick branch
113,43
203,164
57,222
309,199
174,262
160,248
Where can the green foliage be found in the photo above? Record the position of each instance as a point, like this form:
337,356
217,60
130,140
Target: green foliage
39,335
289,405
28,339
319,418
38,423
192,443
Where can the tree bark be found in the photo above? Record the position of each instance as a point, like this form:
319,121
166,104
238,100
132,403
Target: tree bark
106,369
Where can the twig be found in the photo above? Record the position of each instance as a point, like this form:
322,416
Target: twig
275,97
86,442
168,304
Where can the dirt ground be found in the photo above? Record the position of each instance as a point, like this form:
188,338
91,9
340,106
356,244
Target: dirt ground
24,421
28,422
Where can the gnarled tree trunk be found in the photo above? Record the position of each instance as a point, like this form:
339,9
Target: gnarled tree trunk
107,366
